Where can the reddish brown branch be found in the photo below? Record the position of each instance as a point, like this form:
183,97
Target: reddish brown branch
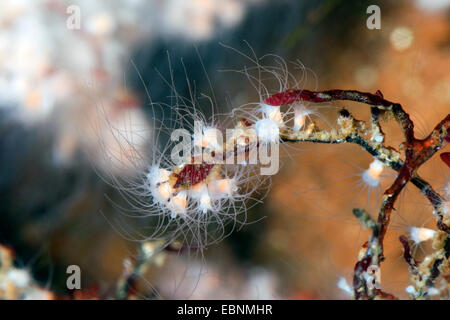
445,156
407,254
291,96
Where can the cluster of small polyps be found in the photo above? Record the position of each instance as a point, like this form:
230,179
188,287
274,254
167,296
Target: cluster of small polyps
203,185
18,283
272,120
225,170
190,188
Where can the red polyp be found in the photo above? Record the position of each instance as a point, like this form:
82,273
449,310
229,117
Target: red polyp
283,98
292,95
446,158
191,174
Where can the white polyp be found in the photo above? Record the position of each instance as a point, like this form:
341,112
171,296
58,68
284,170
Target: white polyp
267,130
37,294
344,286
236,134
210,138
241,141
372,175
161,193
433,292
426,260
205,202
20,278
157,175
378,138
419,235
299,122
200,193
196,191
301,112
411,290
222,188
273,113
178,204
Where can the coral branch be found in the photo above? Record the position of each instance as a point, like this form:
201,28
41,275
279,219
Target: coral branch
407,254
416,152
375,100
136,268
425,274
